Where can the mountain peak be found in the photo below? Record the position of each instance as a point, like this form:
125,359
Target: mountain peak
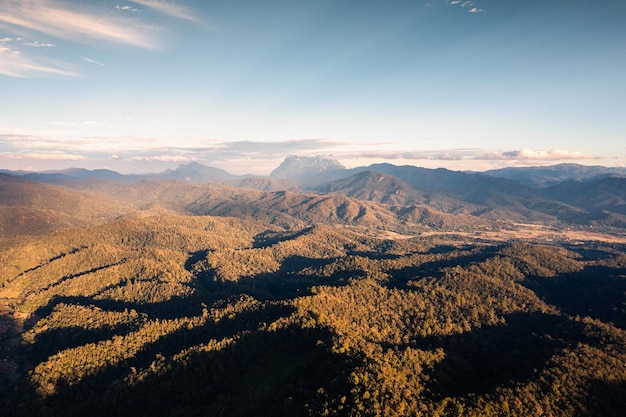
197,173
302,167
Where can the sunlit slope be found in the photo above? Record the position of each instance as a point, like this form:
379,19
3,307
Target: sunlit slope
147,252
291,209
171,314
33,208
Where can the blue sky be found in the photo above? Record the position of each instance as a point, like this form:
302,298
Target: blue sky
139,86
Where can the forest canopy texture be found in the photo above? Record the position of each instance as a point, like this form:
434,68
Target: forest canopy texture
152,311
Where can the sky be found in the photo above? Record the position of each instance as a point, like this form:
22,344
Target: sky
145,85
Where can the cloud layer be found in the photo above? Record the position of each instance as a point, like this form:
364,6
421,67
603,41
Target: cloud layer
75,25
14,64
262,155
85,23
526,154
169,8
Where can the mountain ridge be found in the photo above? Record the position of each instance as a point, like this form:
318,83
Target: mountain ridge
397,196
320,169
433,291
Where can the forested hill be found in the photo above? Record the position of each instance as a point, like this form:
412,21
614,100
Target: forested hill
561,195
387,292
171,314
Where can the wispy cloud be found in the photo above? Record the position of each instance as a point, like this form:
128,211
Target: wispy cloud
526,154
149,148
470,154
257,156
162,158
126,8
22,41
169,8
279,147
46,143
92,61
54,156
36,44
466,4
159,149
62,21
14,64
87,23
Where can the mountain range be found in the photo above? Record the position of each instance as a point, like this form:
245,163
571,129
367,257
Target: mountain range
308,172
319,190
318,290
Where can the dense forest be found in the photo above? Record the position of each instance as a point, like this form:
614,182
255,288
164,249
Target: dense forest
381,291
164,314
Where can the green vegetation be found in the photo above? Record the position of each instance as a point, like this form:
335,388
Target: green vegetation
174,299
166,314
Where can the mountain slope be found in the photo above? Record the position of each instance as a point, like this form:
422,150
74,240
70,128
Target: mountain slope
195,173
543,177
307,170
387,189
374,186
492,195
193,315
601,194
33,208
381,196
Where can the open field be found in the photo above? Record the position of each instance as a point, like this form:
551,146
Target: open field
537,232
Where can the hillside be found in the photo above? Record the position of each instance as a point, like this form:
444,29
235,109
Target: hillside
240,297
474,196
292,209
374,186
543,177
386,196
32,208
604,194
171,314
545,195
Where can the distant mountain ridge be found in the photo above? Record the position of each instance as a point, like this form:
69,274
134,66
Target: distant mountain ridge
543,177
193,172
312,172
379,195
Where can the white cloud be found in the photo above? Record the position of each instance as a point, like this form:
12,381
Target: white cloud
158,149
169,8
92,61
45,143
78,22
126,8
164,158
466,4
55,156
14,64
36,44
526,154
55,20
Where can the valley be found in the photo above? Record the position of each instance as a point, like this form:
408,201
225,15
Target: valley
539,233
